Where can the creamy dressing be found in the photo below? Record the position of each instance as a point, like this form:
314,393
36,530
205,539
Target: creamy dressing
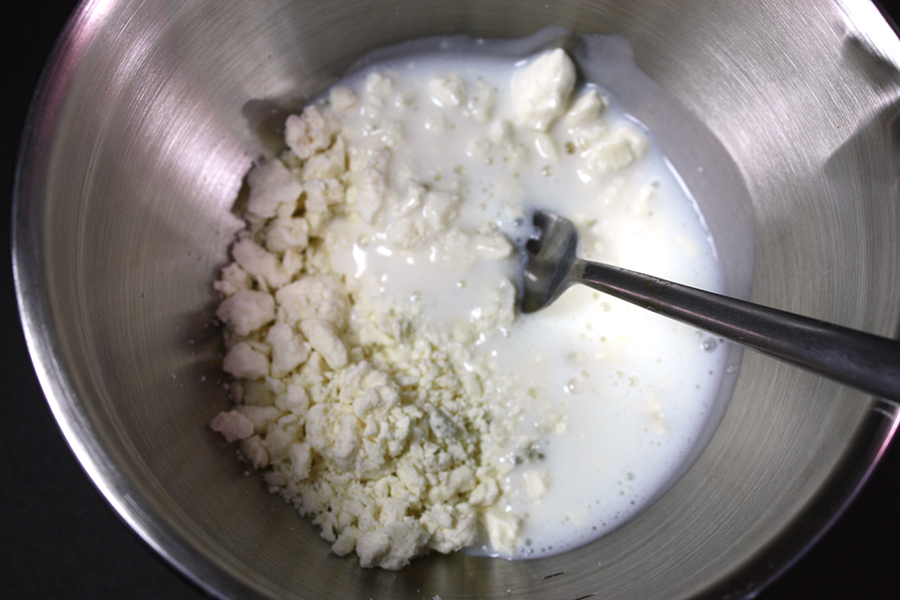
630,392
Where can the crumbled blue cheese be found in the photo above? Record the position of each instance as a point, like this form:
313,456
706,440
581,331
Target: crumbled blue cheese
246,311
363,422
394,433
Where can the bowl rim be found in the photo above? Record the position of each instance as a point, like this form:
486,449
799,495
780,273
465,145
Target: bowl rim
787,547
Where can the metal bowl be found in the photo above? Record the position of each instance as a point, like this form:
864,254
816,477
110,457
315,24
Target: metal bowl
150,113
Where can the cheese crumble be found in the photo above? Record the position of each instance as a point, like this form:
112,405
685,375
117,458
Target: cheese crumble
394,435
369,289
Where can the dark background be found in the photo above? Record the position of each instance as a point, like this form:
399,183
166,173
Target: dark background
60,539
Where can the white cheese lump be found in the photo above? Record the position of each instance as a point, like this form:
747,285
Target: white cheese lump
383,379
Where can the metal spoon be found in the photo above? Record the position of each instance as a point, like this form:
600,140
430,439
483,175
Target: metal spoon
860,360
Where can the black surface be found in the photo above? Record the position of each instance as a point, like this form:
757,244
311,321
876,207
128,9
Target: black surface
62,540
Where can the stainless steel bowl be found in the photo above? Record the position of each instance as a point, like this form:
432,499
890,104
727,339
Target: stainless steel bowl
150,113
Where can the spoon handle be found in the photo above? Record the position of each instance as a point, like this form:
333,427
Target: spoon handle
866,362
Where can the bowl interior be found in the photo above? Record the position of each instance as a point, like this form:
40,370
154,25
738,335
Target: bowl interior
150,114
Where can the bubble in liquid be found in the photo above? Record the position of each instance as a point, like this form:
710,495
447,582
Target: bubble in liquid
575,385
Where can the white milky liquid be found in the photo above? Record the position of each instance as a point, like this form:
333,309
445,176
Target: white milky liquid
634,390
